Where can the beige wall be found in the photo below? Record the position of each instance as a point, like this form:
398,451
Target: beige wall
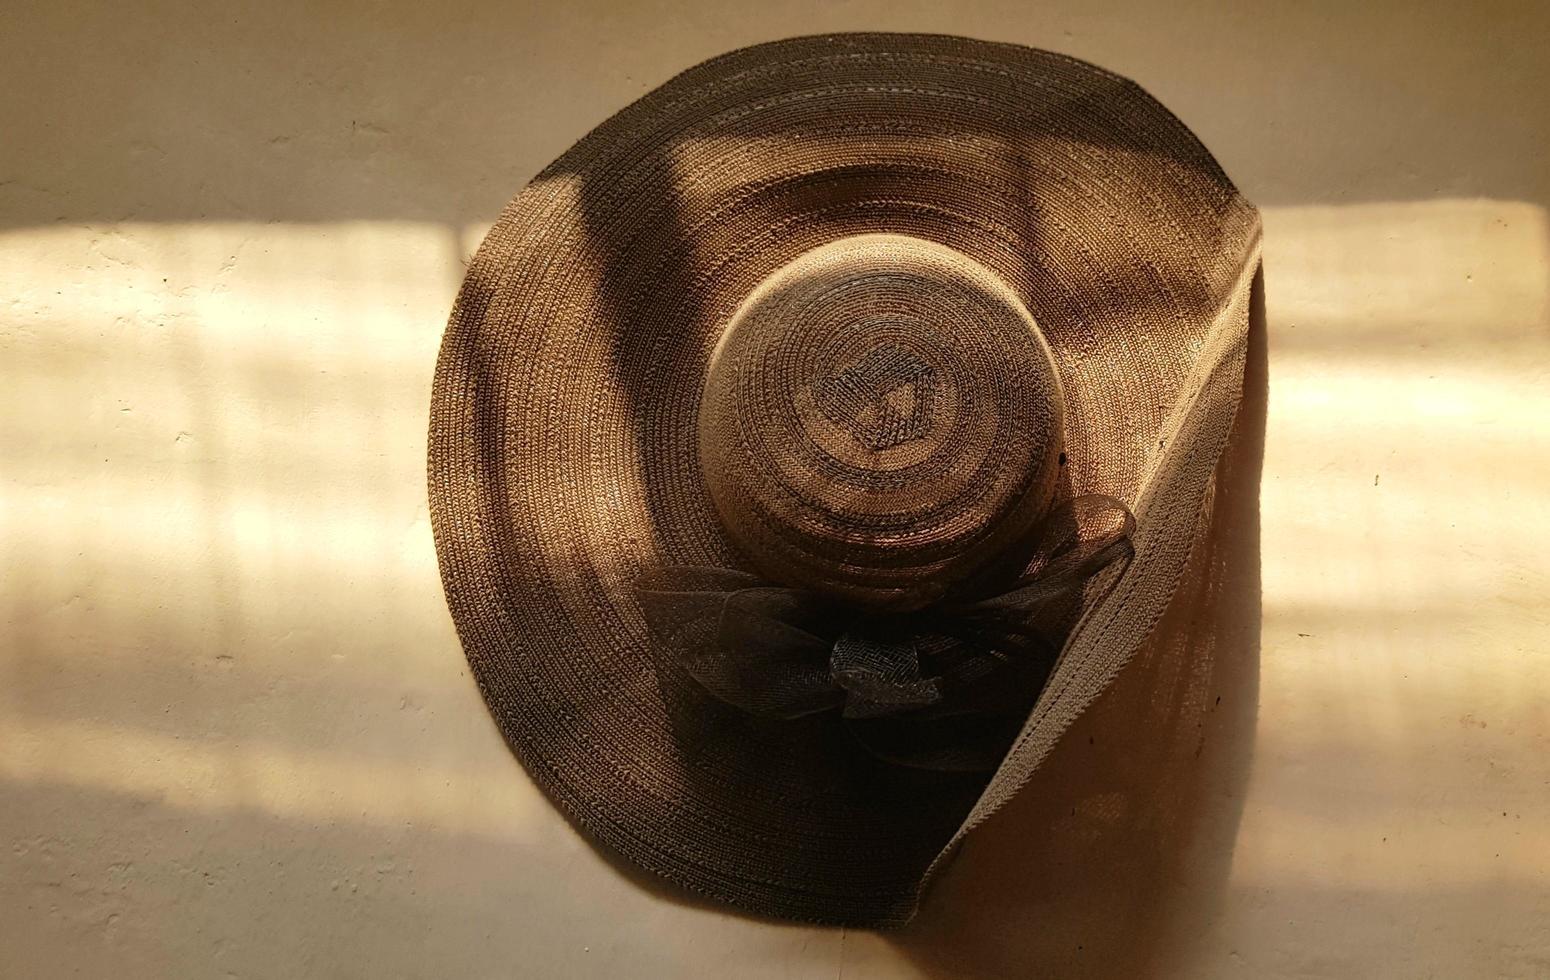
237,737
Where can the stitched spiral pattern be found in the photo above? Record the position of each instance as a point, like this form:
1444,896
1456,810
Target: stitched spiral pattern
881,418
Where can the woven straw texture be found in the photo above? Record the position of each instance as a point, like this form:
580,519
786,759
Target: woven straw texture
880,419
575,442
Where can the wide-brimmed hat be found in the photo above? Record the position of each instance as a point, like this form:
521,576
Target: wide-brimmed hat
813,441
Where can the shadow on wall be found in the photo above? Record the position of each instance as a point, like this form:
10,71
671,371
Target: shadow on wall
1091,868
181,896
401,111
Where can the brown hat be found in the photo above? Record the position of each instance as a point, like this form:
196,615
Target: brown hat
786,439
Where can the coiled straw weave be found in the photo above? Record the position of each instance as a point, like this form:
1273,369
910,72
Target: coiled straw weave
580,434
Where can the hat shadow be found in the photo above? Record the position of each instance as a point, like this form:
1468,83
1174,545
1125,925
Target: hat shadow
1119,846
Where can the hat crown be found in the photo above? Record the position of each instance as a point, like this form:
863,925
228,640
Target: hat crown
882,420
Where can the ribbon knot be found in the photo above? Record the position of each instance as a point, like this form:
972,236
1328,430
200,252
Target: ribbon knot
944,687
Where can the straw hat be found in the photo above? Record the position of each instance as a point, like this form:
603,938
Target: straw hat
818,437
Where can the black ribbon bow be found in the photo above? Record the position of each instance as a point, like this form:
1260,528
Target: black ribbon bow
945,687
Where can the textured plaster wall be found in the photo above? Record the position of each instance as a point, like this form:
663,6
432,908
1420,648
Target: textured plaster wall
237,737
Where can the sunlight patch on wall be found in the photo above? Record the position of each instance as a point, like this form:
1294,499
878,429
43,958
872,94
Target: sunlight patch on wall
214,445
1387,278
1404,739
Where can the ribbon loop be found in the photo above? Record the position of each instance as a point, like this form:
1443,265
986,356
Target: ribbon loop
881,674
912,684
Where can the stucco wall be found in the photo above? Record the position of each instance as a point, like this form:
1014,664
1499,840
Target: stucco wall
237,737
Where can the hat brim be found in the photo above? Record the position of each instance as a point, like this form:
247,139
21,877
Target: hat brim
563,438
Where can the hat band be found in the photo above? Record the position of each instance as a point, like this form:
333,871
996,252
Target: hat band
944,687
